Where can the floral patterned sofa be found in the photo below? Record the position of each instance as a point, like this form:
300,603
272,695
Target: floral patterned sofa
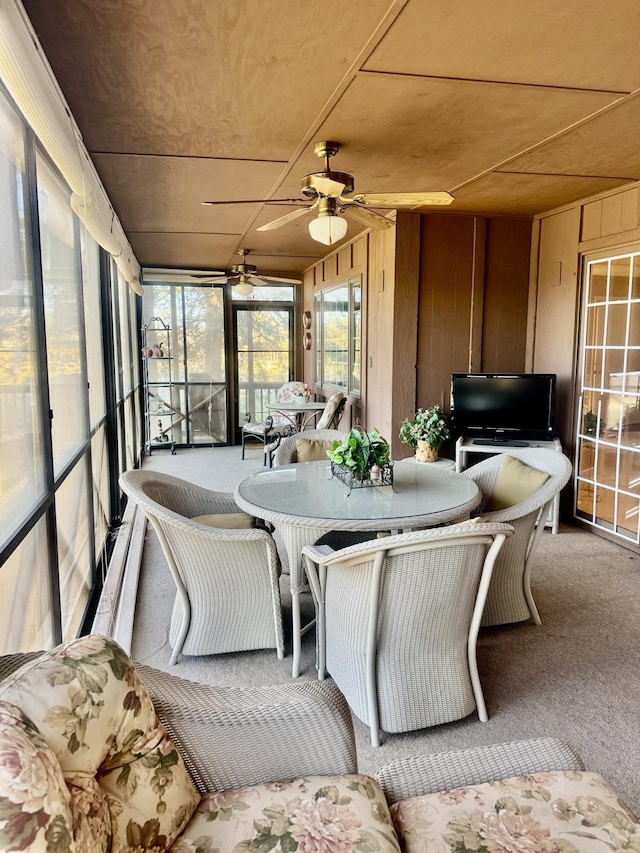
97,755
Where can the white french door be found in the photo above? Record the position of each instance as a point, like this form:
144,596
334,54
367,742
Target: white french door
607,463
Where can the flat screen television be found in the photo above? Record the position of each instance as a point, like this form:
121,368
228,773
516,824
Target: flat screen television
503,408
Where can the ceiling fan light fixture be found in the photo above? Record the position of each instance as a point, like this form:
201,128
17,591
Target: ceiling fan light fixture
328,227
243,288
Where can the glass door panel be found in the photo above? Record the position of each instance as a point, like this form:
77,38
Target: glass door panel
22,463
264,347
619,280
627,516
65,355
205,364
629,471
608,423
26,613
191,394
74,549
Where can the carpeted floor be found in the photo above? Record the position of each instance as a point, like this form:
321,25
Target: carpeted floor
575,677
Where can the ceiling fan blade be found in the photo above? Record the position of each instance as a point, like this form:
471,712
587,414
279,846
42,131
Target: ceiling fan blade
327,186
258,201
256,280
208,275
367,217
282,280
410,200
219,279
288,217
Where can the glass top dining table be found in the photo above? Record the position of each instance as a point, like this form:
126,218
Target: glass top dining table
305,494
303,502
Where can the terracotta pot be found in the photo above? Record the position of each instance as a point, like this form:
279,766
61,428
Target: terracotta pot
424,453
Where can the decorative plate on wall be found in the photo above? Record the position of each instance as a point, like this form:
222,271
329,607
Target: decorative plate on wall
306,341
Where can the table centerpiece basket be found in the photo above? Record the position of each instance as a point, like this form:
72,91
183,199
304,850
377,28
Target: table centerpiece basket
361,460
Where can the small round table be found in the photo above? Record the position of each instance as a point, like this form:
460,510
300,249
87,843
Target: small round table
303,502
300,414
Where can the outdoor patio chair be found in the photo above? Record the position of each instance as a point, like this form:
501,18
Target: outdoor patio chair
398,619
510,598
226,577
272,426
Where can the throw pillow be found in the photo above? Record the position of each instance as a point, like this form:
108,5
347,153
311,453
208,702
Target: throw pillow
90,706
312,450
547,811
227,520
317,813
35,812
515,482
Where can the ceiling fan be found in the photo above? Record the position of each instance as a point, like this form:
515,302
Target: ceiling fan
244,277
330,193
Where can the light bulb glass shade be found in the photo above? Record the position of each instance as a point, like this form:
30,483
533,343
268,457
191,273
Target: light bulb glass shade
243,288
328,229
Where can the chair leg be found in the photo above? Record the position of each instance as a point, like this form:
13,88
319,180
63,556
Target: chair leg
243,445
526,578
182,632
472,641
317,588
321,626
297,638
372,651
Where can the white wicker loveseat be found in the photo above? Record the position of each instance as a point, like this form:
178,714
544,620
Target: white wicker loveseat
87,766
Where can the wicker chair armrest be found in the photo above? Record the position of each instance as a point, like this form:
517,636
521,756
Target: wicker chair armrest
324,555
231,737
428,774
12,663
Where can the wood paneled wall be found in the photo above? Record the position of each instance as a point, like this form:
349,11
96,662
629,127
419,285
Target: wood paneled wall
441,294
556,311
506,295
445,305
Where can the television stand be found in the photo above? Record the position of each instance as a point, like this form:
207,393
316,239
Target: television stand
499,442
466,445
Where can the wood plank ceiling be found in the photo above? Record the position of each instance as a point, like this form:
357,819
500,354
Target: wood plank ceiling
513,107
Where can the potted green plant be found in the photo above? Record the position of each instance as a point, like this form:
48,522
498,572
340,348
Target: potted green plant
361,458
427,432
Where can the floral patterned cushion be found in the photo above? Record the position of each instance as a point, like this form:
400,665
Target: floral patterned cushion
555,812
34,800
319,814
94,713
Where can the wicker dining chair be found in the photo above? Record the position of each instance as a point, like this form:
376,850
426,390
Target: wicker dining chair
287,450
510,598
227,589
397,623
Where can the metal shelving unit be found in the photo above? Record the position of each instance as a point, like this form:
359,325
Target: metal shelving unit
159,411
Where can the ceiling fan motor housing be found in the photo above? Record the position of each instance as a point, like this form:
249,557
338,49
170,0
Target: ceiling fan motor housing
249,269
309,187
